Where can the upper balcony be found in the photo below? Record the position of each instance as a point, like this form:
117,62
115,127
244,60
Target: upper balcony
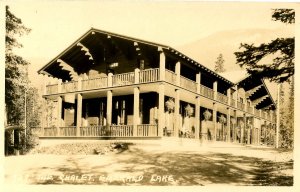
148,76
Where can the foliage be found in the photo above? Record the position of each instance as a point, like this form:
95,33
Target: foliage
16,75
189,110
170,105
282,66
219,67
207,115
287,116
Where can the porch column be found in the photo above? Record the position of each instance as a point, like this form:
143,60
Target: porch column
215,88
259,132
236,96
177,72
197,117
229,96
136,109
176,112
59,112
249,133
109,108
228,125
162,64
59,82
215,107
161,109
44,122
234,126
243,128
79,114
198,82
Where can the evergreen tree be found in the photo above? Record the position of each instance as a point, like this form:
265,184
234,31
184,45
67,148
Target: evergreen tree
219,67
282,66
16,74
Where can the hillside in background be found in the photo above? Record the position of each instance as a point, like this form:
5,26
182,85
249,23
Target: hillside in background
206,50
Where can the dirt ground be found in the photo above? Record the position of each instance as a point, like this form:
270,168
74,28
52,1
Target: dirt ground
175,163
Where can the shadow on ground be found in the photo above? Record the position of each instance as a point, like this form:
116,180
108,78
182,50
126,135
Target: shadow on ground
136,166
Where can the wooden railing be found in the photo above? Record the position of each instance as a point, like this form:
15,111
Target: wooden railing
146,130
123,79
120,131
52,89
188,84
149,75
240,105
207,92
249,109
94,83
170,77
256,112
232,102
67,131
93,131
50,131
69,86
222,98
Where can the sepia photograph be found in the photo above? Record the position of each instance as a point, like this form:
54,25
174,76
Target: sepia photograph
149,93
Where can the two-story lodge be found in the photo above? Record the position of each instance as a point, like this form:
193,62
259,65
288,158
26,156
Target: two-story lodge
111,86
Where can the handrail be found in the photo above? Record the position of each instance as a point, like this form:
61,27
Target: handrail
149,75
170,77
96,83
146,130
188,84
206,91
123,79
222,98
69,86
52,89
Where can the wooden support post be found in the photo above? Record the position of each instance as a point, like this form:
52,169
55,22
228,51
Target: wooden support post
136,109
161,109
228,125
78,114
162,64
176,112
197,117
198,82
215,89
59,113
177,72
109,108
215,107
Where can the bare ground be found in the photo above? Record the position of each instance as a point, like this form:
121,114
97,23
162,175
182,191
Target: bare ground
162,163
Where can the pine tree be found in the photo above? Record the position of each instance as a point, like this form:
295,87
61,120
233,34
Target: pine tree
282,66
219,67
16,70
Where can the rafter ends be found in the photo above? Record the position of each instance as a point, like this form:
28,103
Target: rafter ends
135,44
108,37
93,33
159,49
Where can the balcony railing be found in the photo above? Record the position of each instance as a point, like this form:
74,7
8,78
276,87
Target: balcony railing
222,98
232,102
149,75
142,130
67,131
207,92
240,105
249,109
146,130
50,131
256,112
170,77
94,83
188,84
121,130
123,79
52,89
93,131
69,86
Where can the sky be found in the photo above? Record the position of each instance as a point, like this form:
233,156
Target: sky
57,24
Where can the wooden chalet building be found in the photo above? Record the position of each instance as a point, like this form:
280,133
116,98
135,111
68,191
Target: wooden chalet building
114,86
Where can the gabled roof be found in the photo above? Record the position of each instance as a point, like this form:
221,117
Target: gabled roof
172,50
